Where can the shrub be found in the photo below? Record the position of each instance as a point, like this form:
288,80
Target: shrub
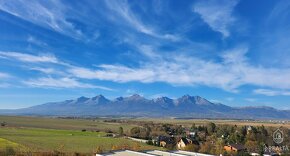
99,150
9,151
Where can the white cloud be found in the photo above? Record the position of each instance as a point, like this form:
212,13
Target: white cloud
148,51
44,70
48,14
4,75
234,71
65,82
217,14
230,99
251,99
269,92
178,70
215,101
114,73
29,58
35,41
122,9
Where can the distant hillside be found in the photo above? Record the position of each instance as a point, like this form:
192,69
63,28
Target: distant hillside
184,107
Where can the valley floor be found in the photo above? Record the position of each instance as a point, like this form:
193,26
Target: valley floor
38,134
48,134
35,139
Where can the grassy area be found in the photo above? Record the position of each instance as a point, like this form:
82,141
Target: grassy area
99,124
9,144
48,134
189,122
64,140
66,124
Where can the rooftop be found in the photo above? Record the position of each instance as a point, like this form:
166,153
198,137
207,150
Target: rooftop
152,153
124,153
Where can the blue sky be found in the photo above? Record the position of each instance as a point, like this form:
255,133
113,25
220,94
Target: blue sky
233,52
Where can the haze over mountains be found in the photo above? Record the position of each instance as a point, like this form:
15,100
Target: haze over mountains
184,107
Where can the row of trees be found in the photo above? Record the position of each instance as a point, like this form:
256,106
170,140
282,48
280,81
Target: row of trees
255,139
212,138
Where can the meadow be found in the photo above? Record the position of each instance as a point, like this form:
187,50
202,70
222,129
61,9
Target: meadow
64,124
36,139
66,135
85,135
6,144
189,122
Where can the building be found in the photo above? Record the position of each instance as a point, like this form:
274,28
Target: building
235,148
187,153
162,153
151,153
182,143
190,133
163,141
249,129
124,153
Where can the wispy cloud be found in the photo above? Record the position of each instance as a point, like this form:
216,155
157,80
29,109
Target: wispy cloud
232,72
272,36
128,17
44,70
229,74
4,75
29,58
48,82
251,99
271,92
217,14
114,73
230,99
35,41
48,14
215,101
3,78
122,9
176,70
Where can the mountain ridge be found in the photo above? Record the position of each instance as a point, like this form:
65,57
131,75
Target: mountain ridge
186,106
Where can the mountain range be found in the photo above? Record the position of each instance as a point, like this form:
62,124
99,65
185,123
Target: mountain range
137,106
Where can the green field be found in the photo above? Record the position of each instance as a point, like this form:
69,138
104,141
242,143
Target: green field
49,134
9,144
63,140
189,122
99,124
65,124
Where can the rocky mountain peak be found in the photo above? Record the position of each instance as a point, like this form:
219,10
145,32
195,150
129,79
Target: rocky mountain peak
82,99
163,99
100,99
119,98
135,97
